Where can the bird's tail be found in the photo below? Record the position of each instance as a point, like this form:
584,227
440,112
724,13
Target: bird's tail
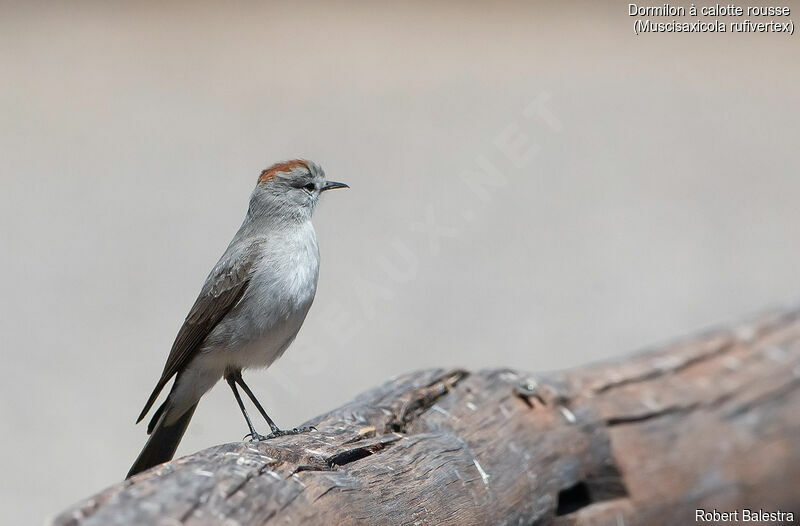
163,441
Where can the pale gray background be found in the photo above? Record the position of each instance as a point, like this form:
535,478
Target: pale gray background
663,198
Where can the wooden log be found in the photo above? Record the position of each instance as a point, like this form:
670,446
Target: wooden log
708,422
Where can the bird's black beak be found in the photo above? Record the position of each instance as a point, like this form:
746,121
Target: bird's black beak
332,185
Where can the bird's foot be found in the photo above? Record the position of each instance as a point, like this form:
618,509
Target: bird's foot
295,431
257,437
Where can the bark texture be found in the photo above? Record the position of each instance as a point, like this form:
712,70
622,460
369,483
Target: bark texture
712,421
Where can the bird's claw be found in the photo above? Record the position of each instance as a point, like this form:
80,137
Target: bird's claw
279,433
293,431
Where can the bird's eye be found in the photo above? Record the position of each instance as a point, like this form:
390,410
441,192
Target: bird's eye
310,187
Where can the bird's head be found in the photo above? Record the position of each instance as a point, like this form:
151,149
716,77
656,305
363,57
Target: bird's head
291,188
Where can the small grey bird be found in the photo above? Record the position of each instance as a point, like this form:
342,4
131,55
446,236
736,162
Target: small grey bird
250,308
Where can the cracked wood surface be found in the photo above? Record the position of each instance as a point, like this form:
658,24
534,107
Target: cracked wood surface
711,421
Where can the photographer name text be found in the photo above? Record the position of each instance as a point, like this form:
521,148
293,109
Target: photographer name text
744,515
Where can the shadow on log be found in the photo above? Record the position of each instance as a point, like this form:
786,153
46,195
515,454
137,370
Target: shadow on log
709,422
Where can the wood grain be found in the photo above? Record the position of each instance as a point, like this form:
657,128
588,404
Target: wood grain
708,422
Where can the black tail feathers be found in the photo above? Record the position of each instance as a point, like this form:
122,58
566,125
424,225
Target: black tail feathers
163,441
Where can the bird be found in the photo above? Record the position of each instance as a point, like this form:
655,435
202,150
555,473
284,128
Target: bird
249,310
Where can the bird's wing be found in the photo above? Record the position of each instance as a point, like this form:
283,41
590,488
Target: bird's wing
224,287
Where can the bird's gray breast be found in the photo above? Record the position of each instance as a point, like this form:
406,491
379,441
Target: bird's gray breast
271,311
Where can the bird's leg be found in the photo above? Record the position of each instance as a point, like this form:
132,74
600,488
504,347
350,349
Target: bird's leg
253,433
239,380
276,431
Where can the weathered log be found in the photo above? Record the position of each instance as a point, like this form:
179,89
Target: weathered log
709,422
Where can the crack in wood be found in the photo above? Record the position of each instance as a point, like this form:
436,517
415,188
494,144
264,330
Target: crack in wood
782,389
766,398
658,372
525,398
352,455
421,400
650,415
311,467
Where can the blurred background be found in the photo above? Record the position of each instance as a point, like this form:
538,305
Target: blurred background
533,186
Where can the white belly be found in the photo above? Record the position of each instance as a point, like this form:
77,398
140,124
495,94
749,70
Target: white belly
268,317
262,325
